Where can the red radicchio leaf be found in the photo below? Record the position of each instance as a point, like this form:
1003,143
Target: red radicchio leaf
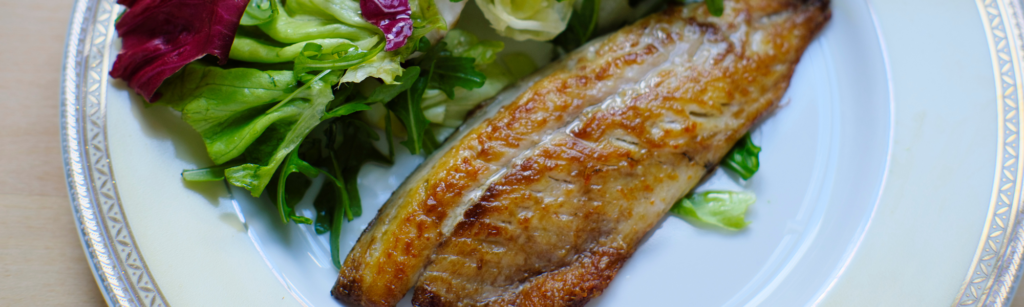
159,37
392,17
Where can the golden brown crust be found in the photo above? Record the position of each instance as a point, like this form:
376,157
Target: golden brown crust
393,250
556,227
542,203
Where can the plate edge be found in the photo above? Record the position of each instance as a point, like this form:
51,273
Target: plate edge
118,267
995,269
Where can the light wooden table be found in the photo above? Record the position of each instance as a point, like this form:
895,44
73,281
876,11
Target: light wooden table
41,258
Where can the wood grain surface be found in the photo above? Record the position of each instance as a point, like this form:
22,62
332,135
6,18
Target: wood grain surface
41,258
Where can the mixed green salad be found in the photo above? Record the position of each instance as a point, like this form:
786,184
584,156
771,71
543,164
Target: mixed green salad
284,91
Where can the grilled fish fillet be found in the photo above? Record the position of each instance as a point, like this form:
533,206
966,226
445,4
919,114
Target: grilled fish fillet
540,199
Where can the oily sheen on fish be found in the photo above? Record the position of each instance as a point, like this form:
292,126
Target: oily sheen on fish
540,199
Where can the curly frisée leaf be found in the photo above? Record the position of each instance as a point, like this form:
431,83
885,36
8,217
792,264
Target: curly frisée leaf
159,37
726,209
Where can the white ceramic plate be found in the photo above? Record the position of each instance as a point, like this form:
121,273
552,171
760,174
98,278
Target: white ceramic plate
889,178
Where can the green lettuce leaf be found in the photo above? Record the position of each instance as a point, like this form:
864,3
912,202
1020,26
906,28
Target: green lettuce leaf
385,66
257,12
227,106
464,44
250,45
295,119
257,117
725,209
279,32
298,21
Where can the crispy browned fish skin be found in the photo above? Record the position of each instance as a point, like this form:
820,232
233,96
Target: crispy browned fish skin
394,248
603,148
555,228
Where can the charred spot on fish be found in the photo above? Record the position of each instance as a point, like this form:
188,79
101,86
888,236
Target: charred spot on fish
630,142
707,174
475,212
699,114
425,297
688,157
560,180
710,166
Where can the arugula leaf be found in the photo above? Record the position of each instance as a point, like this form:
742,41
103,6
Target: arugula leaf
407,107
387,92
213,173
581,26
345,110
325,203
441,110
338,217
203,174
743,159
389,134
348,147
287,198
342,56
715,7
447,72
726,209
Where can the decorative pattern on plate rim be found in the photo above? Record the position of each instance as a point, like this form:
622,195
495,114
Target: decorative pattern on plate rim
991,279
118,266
